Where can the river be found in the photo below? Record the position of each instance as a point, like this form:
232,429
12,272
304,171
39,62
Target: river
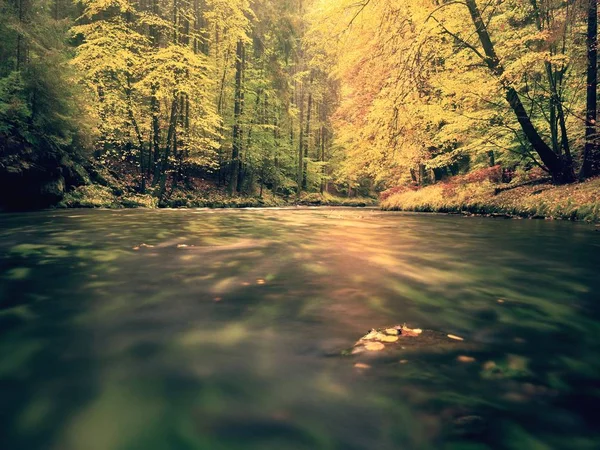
225,330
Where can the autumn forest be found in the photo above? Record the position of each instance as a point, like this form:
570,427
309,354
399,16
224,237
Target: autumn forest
158,100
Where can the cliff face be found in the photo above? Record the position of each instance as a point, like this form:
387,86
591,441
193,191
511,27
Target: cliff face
34,180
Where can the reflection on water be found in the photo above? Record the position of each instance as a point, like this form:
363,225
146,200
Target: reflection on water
224,330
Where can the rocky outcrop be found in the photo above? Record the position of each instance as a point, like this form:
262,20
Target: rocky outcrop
30,182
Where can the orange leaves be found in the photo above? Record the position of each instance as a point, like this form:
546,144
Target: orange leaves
375,340
465,359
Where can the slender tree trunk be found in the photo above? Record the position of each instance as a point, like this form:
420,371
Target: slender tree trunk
237,113
307,140
557,112
590,154
155,112
20,44
323,146
171,143
301,145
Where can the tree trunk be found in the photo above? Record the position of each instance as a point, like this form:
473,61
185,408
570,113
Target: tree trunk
590,154
237,113
557,112
171,138
301,145
307,139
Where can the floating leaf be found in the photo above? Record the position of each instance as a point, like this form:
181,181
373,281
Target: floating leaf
374,346
260,281
412,332
371,335
362,366
392,332
386,338
465,359
489,365
456,338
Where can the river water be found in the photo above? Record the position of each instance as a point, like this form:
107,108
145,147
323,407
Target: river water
201,329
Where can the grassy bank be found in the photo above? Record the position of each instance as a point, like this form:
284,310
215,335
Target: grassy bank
97,196
327,199
580,201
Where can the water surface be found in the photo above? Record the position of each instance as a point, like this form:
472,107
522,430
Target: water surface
198,329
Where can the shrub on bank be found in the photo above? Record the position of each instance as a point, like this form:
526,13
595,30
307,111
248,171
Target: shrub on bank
90,196
326,199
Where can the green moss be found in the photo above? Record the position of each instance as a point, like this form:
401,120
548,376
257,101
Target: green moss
325,199
92,196
139,201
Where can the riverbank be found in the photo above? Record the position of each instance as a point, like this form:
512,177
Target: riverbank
97,196
579,201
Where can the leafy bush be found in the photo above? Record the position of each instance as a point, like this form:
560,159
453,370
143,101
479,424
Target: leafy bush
93,196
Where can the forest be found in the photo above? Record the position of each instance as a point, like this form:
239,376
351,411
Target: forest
157,102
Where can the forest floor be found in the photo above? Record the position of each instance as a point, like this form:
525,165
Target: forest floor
537,199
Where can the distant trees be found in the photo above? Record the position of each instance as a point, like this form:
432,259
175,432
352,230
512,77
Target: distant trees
206,85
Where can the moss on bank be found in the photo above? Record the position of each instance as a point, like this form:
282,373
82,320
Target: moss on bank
326,199
97,196
580,201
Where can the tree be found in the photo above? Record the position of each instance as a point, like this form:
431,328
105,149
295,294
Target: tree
560,171
590,156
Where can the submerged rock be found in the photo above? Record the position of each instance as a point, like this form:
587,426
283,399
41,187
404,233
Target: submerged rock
400,337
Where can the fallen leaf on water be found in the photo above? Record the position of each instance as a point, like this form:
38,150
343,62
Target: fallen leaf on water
362,366
245,283
411,332
370,335
465,359
136,248
260,281
386,338
403,361
182,245
500,301
147,245
392,332
456,338
217,299
374,346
